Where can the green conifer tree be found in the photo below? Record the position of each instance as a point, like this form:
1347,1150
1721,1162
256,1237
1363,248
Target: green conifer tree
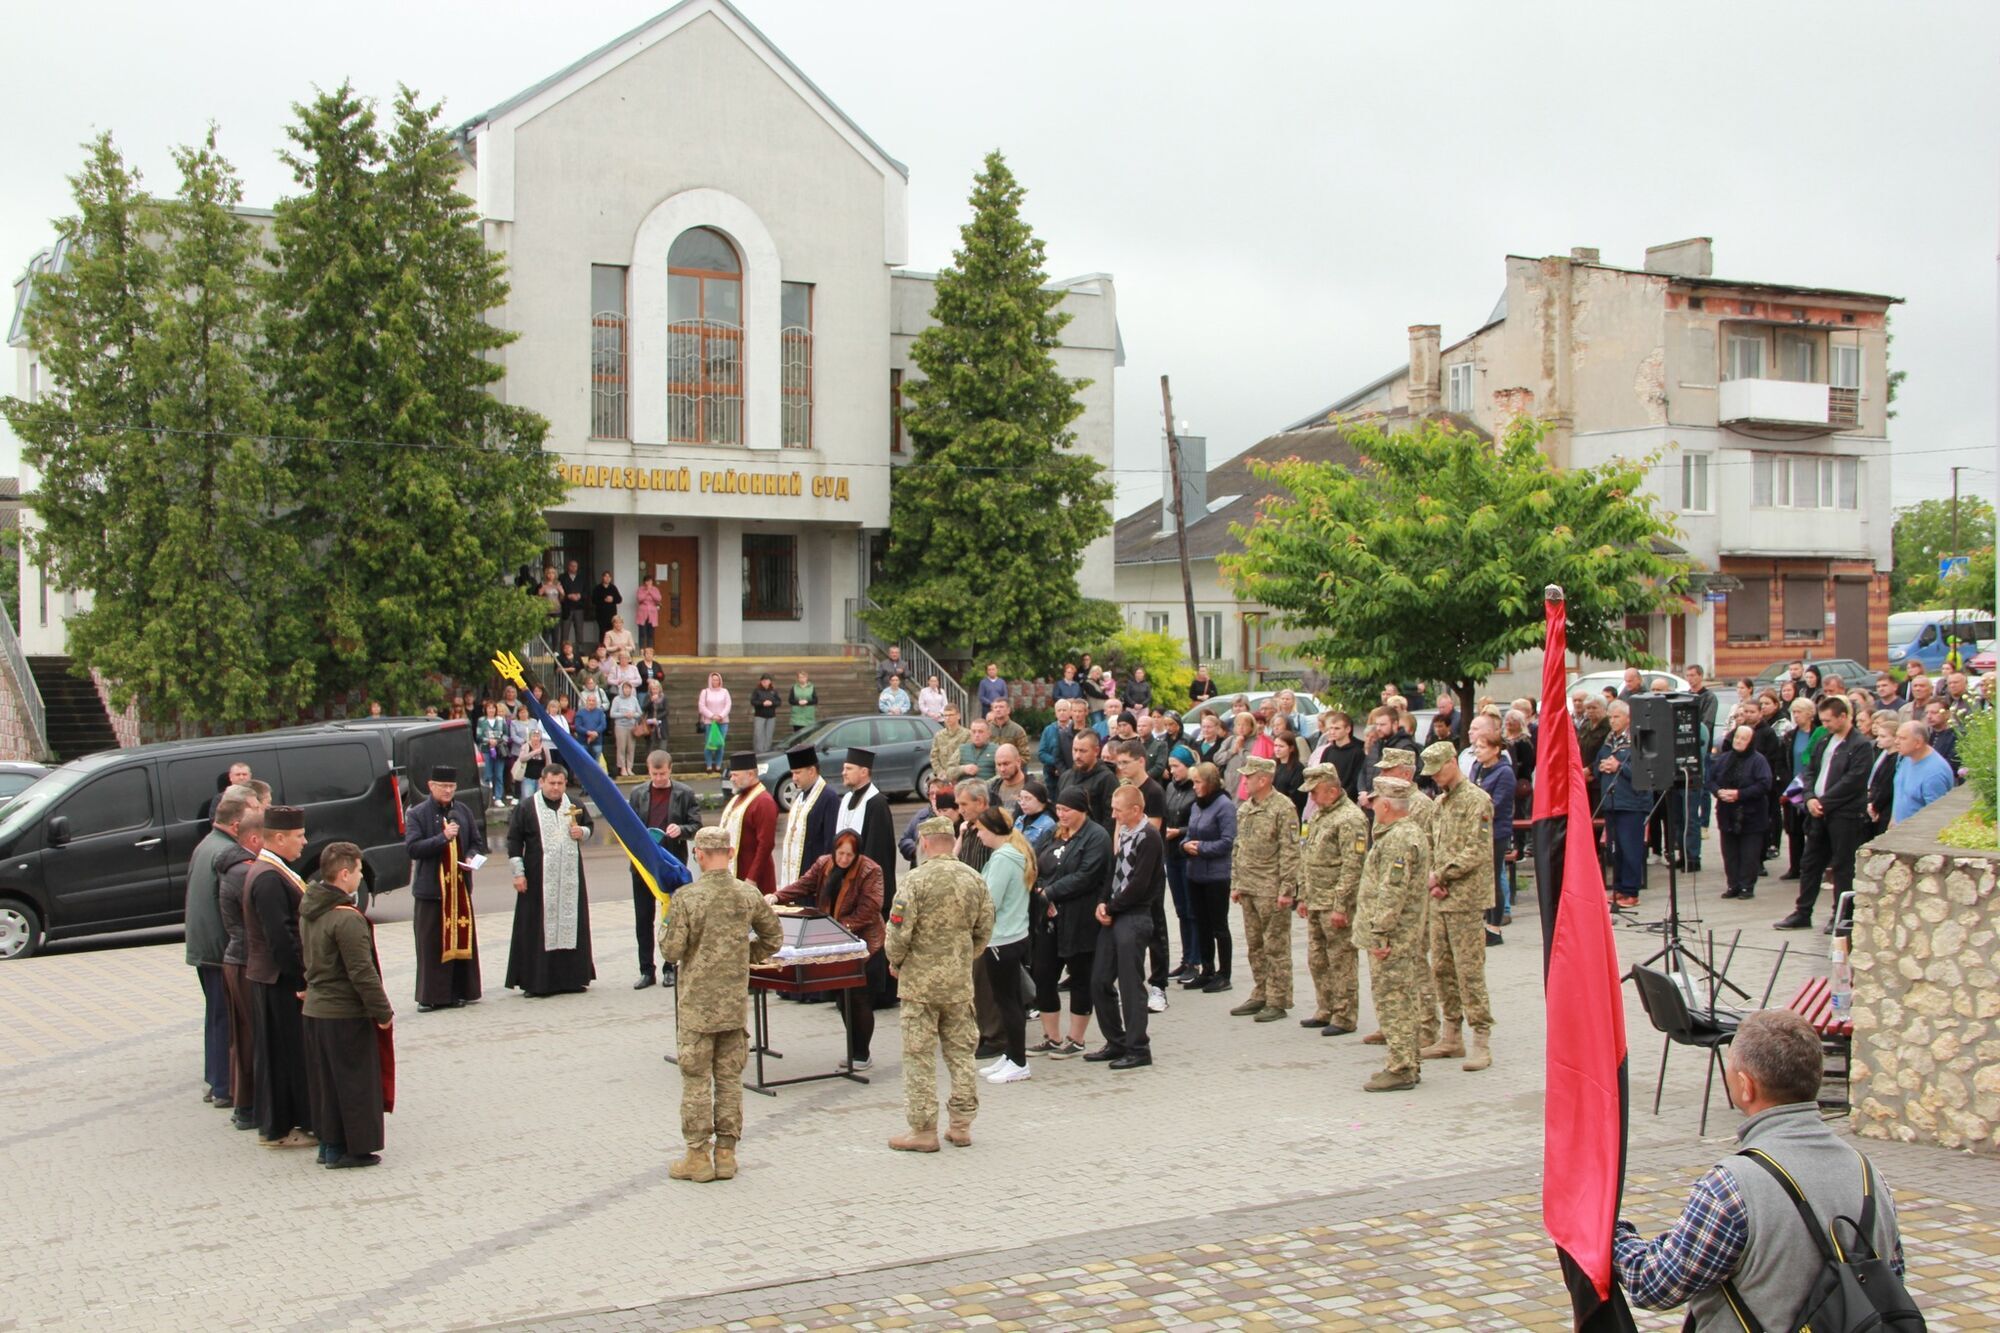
989,520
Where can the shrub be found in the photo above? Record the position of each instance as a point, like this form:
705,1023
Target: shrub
1975,751
1162,656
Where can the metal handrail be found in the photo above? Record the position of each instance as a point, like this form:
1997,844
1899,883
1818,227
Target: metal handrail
922,666
31,693
554,680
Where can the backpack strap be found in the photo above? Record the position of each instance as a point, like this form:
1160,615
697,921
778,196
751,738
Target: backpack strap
1823,1237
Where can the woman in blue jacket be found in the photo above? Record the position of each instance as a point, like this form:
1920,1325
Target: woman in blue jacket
1207,844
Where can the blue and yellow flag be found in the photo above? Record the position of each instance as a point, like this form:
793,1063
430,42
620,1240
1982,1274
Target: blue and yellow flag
660,869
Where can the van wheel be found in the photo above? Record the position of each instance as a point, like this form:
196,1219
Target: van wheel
20,929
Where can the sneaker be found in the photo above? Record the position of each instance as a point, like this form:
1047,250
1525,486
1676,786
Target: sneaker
1046,1046
855,1066
1034,1014
1009,1072
1793,921
1156,1000
995,1067
1193,981
1216,986
1066,1050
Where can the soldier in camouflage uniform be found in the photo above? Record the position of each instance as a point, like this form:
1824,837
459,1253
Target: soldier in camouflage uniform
1402,763
1264,878
942,918
945,746
1461,890
1336,845
707,934
1390,912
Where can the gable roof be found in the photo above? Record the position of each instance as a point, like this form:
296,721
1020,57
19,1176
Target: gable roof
1235,491
619,49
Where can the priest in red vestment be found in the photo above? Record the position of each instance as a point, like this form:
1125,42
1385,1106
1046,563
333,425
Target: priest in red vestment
751,819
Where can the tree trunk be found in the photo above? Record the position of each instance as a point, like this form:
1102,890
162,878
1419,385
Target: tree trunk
1463,689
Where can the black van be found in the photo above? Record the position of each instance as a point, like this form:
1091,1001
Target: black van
102,843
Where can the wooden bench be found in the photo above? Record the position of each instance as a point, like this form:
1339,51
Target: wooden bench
1814,1000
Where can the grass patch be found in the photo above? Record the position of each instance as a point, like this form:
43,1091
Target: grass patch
1971,830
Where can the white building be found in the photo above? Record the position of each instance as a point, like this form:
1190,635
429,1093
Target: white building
703,251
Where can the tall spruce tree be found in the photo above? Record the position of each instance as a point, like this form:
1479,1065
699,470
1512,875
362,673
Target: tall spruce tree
989,520
419,491
154,492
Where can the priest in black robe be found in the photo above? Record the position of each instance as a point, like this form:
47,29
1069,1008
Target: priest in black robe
865,811
441,832
276,971
550,951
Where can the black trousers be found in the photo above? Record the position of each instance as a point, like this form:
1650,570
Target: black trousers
1795,834
345,1064
1743,860
644,908
857,1007
1049,967
1001,964
214,1030
1830,847
1156,949
1119,982
1211,904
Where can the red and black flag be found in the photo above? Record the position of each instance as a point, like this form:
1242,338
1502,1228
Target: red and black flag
1583,1142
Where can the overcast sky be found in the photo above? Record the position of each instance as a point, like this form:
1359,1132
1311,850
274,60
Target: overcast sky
1280,189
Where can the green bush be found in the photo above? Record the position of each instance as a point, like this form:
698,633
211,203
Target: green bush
1975,751
1162,656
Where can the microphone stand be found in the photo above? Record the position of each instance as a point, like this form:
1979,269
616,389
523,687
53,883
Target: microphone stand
1677,956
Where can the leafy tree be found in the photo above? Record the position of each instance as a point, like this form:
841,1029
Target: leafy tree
1922,534
418,491
1163,656
989,520
1428,561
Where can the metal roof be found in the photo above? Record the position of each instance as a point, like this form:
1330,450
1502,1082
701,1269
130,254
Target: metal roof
494,113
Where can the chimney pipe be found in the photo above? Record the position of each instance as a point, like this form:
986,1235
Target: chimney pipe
1424,393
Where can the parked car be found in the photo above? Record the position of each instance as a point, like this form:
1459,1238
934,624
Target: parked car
1309,709
1985,659
902,747
16,778
102,843
1920,640
1852,674
1598,681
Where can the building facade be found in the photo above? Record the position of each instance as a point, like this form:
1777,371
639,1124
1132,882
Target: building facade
1762,407
703,253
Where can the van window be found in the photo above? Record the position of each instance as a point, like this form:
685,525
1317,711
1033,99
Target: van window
1928,637
1901,631
418,752
338,771
190,783
122,799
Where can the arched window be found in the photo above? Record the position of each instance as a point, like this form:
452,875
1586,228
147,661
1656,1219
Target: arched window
705,342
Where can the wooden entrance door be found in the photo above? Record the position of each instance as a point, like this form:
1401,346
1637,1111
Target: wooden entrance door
675,563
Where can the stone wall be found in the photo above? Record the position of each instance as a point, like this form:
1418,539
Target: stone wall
17,733
125,721
1926,955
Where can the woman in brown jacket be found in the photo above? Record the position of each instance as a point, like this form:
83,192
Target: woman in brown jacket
345,1006
847,886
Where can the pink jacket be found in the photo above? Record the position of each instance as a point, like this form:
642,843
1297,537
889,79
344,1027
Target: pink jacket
712,706
648,598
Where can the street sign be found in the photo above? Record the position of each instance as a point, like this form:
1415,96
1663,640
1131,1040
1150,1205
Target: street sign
1953,566
1716,596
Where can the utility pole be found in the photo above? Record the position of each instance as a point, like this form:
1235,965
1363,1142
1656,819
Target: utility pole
1180,522
1951,649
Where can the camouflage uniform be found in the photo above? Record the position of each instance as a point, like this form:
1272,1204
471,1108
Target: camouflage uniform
1423,812
1462,859
707,934
1394,886
1264,867
942,918
945,762
1336,845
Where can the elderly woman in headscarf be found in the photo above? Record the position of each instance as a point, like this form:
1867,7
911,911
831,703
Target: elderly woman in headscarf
847,886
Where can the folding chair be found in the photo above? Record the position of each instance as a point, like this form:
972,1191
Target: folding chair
1667,1007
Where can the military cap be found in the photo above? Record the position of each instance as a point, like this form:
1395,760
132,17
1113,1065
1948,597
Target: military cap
1437,754
1397,757
937,826
1396,789
711,839
1259,764
1317,774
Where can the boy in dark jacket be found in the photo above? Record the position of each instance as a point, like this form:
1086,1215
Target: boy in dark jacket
344,1010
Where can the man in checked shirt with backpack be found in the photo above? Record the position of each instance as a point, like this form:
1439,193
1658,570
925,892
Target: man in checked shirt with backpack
1740,1256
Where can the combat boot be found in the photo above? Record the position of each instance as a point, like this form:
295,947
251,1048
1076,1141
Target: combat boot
1482,1053
1450,1044
1247,1008
1383,1080
960,1133
917,1140
698,1166
725,1159
1375,1038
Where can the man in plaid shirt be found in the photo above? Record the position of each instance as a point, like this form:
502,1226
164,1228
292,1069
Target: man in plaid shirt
1738,1226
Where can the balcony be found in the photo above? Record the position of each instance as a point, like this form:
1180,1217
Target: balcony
1776,404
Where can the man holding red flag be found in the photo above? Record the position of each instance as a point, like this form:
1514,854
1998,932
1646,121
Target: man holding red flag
1583,1141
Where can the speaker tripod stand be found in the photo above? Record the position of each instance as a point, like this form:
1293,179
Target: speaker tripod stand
1676,955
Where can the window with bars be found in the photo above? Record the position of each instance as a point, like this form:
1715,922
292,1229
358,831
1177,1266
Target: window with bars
771,576
796,382
608,385
704,339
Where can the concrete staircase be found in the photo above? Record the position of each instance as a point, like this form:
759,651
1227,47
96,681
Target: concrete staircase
846,685
77,722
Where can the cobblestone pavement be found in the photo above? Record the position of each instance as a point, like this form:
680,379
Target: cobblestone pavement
524,1177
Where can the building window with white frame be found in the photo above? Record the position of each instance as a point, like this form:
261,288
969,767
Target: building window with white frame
704,339
1694,483
1209,627
1843,378
1458,387
608,386
1746,357
1157,622
1794,481
795,322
